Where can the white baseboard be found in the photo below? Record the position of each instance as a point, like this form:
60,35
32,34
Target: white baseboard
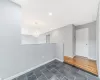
99,76
21,73
59,60
92,58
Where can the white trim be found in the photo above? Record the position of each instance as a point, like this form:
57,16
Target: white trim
21,73
99,76
59,60
91,58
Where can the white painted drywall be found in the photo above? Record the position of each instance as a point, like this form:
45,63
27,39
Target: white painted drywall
82,42
42,39
63,36
64,12
92,38
14,57
60,51
28,39
98,40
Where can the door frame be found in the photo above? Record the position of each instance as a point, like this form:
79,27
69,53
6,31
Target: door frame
76,39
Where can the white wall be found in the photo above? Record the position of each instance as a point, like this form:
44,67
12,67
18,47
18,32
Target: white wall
42,39
28,39
60,51
64,35
14,57
64,38
92,38
98,40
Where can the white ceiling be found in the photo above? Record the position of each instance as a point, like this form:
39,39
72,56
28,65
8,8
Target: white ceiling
36,18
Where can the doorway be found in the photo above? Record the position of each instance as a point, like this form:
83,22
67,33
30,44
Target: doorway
84,48
82,42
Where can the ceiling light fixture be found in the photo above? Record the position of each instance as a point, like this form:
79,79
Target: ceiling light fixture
50,13
36,23
36,34
51,28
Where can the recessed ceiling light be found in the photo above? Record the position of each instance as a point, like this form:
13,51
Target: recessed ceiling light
51,28
35,22
50,13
